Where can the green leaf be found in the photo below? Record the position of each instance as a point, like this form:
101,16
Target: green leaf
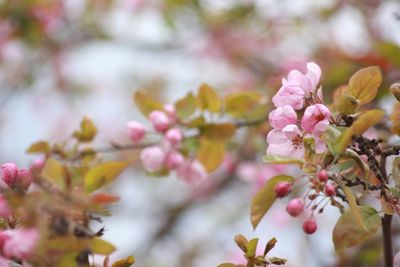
347,233
87,131
55,172
251,248
354,208
277,261
270,245
101,247
103,174
125,262
242,242
282,160
346,104
218,132
240,104
186,106
39,147
364,84
146,104
361,164
264,198
209,99
361,125
211,153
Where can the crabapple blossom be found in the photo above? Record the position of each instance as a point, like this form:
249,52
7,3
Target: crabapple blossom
9,173
295,207
173,160
136,131
323,175
159,120
287,142
171,112
37,165
174,136
5,209
20,243
330,190
191,171
282,116
4,262
24,179
153,158
289,94
307,82
282,189
310,226
316,119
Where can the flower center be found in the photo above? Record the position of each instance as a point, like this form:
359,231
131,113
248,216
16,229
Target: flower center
297,141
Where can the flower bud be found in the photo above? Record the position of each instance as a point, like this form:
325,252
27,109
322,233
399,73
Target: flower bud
136,131
170,111
295,207
37,165
152,158
174,136
323,175
174,160
159,120
330,190
310,226
9,173
191,171
282,189
395,89
24,179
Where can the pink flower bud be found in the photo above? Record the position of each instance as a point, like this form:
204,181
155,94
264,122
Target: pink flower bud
282,116
159,120
24,179
136,131
310,226
152,158
191,171
330,190
323,175
5,209
37,165
20,243
9,173
170,111
282,189
174,160
295,207
289,94
174,136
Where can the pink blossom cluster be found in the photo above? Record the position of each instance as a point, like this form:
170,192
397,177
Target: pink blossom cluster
18,244
166,155
15,178
298,95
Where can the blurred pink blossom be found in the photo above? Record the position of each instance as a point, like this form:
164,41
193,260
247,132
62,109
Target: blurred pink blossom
153,158
282,116
316,119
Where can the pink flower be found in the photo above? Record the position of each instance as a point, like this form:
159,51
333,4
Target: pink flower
174,136
316,119
308,82
191,171
173,160
4,262
282,116
159,120
9,172
5,209
24,179
171,112
289,94
136,131
287,142
153,158
21,243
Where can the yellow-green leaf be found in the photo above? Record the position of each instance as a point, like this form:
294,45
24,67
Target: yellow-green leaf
241,241
354,208
218,132
39,147
146,104
361,125
209,99
68,259
282,160
264,198
364,84
211,153
251,248
103,174
395,118
87,131
101,247
186,106
125,262
240,104
347,233
345,104
55,172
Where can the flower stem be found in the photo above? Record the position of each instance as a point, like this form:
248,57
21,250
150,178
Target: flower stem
387,240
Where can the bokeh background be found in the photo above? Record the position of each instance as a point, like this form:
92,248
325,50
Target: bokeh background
61,60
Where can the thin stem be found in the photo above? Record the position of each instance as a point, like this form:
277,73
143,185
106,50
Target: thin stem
387,240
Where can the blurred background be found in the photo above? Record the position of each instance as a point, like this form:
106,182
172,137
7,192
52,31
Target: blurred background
61,60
